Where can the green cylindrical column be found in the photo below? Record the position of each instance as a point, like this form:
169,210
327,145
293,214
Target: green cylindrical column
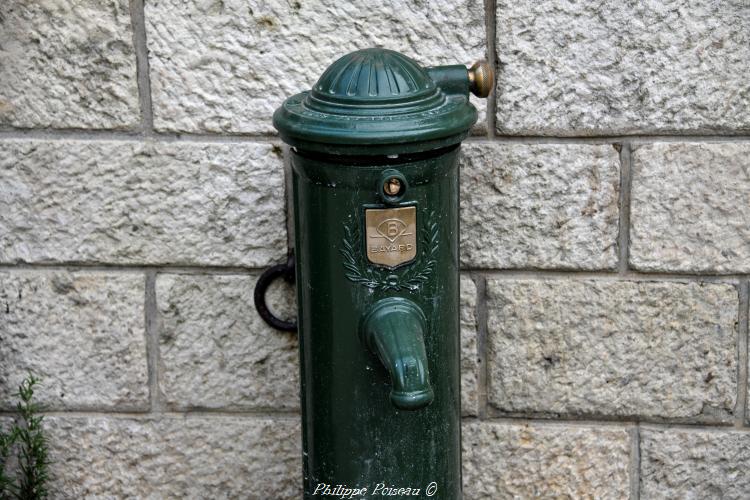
353,434
375,178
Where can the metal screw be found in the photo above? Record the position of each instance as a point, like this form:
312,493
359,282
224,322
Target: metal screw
392,186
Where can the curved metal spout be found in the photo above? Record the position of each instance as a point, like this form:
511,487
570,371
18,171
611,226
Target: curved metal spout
393,328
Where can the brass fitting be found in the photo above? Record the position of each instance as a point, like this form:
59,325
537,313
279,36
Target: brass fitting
392,186
481,78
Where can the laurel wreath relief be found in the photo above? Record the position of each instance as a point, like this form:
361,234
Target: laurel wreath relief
407,278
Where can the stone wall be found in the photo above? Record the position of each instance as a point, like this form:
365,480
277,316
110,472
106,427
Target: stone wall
605,239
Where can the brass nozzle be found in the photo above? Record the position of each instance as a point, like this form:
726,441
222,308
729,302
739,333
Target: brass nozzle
481,78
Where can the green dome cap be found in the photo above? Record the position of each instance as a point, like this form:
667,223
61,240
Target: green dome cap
378,97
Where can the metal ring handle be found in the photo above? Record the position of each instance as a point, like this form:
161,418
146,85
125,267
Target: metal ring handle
285,271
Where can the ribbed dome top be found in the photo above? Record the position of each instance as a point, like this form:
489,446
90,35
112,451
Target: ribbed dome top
379,74
375,97
374,81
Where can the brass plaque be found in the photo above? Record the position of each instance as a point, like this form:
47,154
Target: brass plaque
391,235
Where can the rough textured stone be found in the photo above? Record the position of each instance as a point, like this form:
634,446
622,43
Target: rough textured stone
6,424
572,68
678,463
83,333
469,350
613,348
689,207
543,206
67,64
225,66
544,461
216,352
174,457
128,202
